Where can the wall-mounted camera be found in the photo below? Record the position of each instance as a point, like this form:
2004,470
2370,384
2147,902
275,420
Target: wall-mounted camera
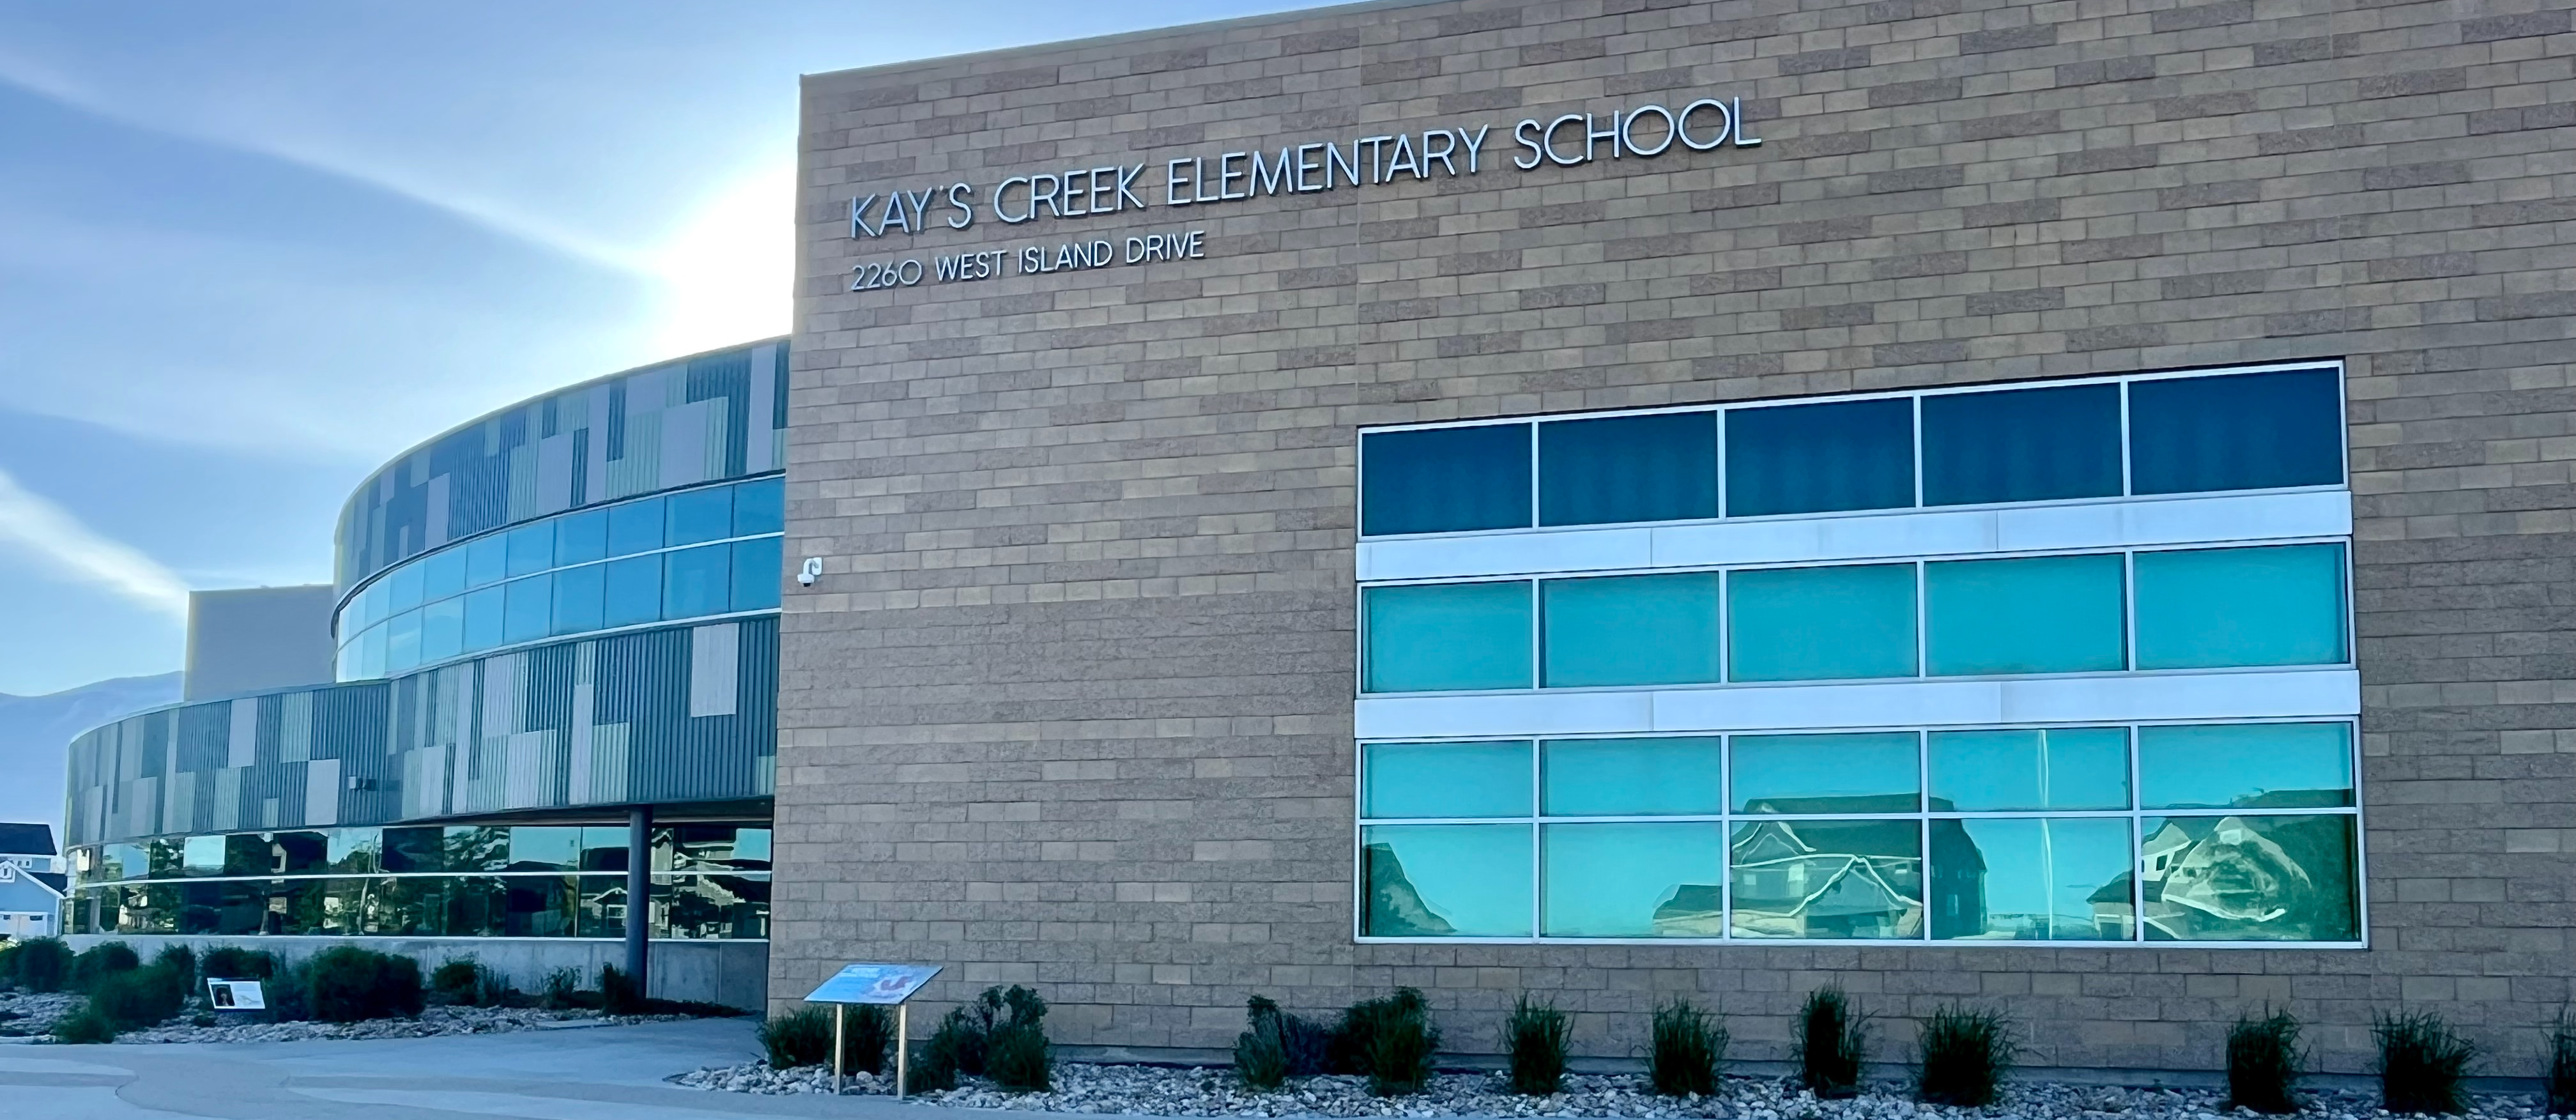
813,570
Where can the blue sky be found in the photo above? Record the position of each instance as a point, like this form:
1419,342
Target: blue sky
250,251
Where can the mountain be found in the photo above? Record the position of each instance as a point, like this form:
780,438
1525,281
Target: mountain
36,734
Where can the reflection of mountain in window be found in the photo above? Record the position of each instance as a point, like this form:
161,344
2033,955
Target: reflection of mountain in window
1395,909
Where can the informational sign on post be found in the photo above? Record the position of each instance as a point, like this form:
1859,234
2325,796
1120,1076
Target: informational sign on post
235,995
882,984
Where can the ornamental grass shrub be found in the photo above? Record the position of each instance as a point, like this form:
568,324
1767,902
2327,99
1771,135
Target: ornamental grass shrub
1964,1054
232,962
135,999
2263,1059
618,994
562,990
84,1026
1390,1040
1001,1035
1830,1041
181,961
347,984
1537,1037
459,981
2423,1064
100,960
40,964
802,1037
1261,1051
2558,1080
1015,1051
1685,1050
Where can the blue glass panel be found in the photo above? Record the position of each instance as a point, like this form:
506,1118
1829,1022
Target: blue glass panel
2206,608
635,527
1444,480
2236,432
696,581
405,585
1791,624
756,574
1627,468
2256,878
699,516
2061,768
2245,766
483,614
1445,780
442,575
371,606
532,548
1630,630
530,613
1815,458
487,561
760,507
1870,772
1827,879
578,598
1446,880
581,537
442,630
402,642
1633,880
2031,879
2044,614
1444,636
2021,445
634,591
1631,777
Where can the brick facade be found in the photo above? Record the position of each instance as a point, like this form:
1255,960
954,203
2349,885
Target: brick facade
1071,702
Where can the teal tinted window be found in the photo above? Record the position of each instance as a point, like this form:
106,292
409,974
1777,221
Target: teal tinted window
2031,879
582,537
487,561
2245,766
696,581
483,616
1446,880
442,575
760,507
1795,624
635,527
2249,878
1827,879
1627,468
755,574
530,611
578,598
1631,777
442,630
2208,608
1633,880
1445,636
531,548
2236,432
402,642
634,591
1629,630
700,515
1871,772
2059,768
1445,780
545,848
1443,480
404,587
2021,445
2045,614
1816,458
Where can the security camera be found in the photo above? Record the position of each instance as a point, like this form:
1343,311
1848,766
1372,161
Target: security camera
813,570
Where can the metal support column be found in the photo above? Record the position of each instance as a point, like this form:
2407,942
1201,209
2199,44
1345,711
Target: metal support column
639,896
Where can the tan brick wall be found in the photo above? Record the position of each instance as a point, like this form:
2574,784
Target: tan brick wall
1071,704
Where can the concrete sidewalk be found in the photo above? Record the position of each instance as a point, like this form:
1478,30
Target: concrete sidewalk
593,1073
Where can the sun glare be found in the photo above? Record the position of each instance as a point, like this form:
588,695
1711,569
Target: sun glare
725,272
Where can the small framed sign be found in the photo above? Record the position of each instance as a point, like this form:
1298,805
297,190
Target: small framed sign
880,984
235,995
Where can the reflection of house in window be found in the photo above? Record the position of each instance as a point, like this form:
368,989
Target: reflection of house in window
1693,910
1395,909
1958,882
2257,878
1827,879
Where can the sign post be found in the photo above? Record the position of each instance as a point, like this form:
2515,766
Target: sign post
880,984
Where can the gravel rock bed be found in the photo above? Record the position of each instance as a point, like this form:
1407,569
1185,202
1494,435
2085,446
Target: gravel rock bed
31,1013
1163,1091
432,1022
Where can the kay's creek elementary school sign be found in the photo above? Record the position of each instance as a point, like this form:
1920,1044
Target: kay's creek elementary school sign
1572,140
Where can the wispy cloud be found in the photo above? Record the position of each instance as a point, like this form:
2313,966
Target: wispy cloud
50,535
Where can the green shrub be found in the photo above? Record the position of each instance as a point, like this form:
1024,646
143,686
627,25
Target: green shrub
1536,1037
8,964
1831,1040
140,998
460,981
2263,1063
1965,1053
102,959
867,1038
936,1067
180,960
1260,1055
40,964
2422,1063
2558,1082
1015,1051
1390,1040
799,1038
618,994
349,984
563,990
290,992
84,1026
232,962
1685,1050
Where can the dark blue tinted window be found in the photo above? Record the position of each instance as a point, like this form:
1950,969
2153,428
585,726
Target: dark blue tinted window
2021,445
577,598
1814,458
581,537
530,611
1445,480
532,548
634,591
635,527
696,581
700,515
760,507
483,619
1627,468
755,574
2238,432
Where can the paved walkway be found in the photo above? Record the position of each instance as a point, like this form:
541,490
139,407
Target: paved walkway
592,1073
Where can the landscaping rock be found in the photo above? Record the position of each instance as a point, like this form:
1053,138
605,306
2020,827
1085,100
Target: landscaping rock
432,1022
32,1013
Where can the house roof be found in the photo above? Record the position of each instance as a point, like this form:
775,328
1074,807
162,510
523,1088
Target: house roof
27,839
